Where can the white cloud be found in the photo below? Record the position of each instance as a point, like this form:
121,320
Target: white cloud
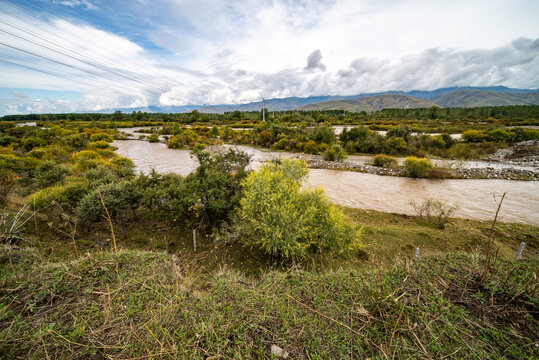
218,51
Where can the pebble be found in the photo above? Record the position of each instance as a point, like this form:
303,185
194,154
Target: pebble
277,351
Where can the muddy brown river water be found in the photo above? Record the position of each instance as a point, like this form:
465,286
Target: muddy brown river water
477,199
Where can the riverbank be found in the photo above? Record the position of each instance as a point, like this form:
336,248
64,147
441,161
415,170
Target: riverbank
444,173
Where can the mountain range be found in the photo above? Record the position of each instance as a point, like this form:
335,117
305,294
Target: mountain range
444,97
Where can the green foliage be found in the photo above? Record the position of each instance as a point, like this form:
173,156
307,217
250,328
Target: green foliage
100,175
382,160
335,153
153,138
310,147
473,136
435,211
498,135
67,196
186,138
397,144
324,134
285,221
7,181
417,167
49,173
86,159
101,137
121,200
264,138
123,166
213,190
101,144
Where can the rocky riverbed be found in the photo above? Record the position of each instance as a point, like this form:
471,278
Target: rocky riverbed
465,173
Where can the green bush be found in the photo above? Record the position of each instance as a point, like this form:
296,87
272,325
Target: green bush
335,153
417,167
213,190
473,136
153,138
49,173
310,147
67,196
98,145
99,176
382,160
397,144
7,181
86,159
101,137
283,220
123,166
435,211
121,200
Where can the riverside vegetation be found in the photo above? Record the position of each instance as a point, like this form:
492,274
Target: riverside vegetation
275,265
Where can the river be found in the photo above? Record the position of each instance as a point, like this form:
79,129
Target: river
477,199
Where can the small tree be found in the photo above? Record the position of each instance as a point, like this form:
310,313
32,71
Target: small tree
435,211
417,167
284,220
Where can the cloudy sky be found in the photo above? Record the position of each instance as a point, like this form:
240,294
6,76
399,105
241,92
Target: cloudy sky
89,55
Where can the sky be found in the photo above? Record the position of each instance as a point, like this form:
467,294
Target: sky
93,55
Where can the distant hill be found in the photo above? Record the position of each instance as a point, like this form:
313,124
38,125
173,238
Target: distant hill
474,98
455,98
469,97
372,103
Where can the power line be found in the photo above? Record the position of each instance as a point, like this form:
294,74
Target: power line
105,87
56,44
61,63
81,60
37,16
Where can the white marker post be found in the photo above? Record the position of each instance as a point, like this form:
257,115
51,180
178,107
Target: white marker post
519,251
195,240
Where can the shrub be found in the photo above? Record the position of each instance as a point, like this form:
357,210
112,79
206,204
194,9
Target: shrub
7,181
473,136
498,135
281,144
86,159
310,147
213,190
335,153
385,161
67,196
417,167
153,138
283,220
123,166
98,145
121,200
49,173
435,211
397,144
101,137
264,138
99,176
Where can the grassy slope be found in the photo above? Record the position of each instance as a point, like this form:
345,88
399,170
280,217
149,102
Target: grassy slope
152,305
62,301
